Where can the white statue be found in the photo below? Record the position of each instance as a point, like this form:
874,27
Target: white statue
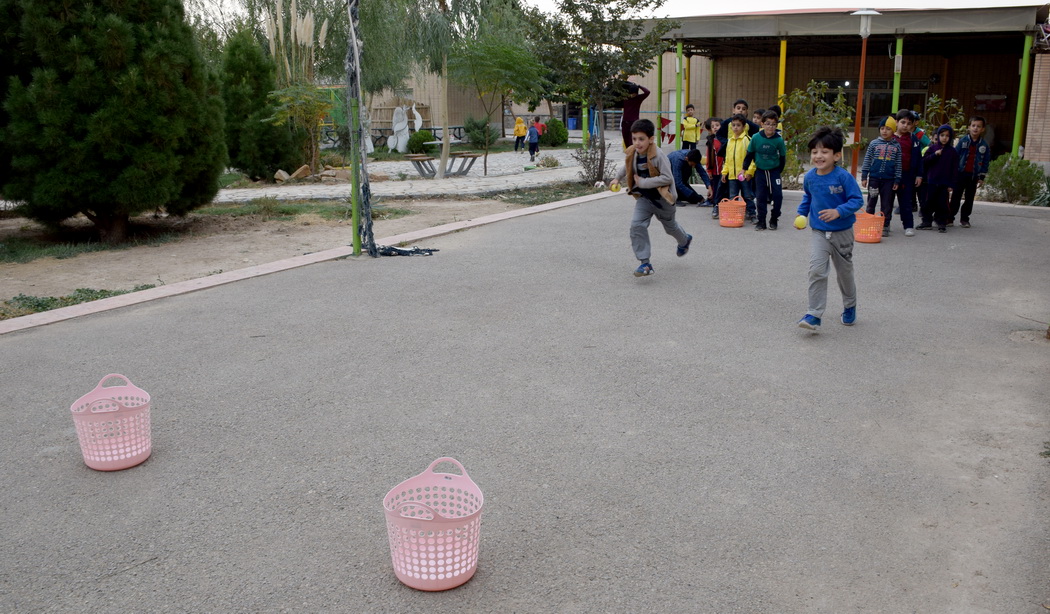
399,140
418,118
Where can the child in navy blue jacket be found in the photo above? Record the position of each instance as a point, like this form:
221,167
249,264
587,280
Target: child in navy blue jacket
942,171
911,168
882,167
974,156
830,200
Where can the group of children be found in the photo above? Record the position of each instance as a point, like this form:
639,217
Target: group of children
830,200
744,157
531,135
905,166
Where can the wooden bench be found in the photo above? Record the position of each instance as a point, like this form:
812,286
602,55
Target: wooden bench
466,162
424,165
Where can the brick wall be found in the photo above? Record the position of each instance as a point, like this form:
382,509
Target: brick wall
1037,138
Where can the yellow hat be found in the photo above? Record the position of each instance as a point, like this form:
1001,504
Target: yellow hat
889,122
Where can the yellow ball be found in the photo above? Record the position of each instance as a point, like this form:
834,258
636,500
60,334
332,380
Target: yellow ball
615,187
800,222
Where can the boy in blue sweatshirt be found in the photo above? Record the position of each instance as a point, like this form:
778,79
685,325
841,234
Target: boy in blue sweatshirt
942,171
830,199
882,167
683,163
974,156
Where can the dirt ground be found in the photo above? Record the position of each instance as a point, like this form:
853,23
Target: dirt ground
211,244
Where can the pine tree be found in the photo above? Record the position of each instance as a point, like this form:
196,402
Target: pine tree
118,117
256,146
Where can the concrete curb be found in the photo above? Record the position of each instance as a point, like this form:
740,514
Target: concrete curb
203,283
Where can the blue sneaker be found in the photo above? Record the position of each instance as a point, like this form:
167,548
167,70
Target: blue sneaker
809,322
849,316
644,269
684,249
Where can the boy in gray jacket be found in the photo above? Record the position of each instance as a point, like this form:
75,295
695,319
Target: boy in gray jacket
651,182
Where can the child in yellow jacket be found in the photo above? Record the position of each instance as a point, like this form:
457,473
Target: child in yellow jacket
738,177
519,134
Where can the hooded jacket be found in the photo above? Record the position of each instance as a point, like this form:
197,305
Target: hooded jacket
519,127
942,161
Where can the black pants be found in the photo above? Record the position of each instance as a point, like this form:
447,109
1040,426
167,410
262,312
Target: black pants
519,140
935,207
881,191
967,187
769,190
534,148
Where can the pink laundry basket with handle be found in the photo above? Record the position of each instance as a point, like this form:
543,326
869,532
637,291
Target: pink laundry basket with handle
113,425
433,521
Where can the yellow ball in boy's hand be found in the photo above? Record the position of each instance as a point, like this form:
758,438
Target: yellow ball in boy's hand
615,187
800,222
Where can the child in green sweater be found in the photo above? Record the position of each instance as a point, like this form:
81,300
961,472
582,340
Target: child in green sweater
769,153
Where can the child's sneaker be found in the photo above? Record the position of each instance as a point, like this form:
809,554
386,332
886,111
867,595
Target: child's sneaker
809,322
942,229
714,214
965,224
684,249
760,226
849,316
885,232
644,269
908,232
772,224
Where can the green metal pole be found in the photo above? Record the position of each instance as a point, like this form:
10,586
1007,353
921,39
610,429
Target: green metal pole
355,194
659,91
586,124
678,98
711,89
897,61
1022,93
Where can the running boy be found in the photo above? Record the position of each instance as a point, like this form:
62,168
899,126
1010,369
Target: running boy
942,171
650,181
736,174
533,137
830,199
769,152
520,132
690,128
974,155
882,167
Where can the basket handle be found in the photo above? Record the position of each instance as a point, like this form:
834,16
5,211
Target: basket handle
447,459
426,507
111,375
92,405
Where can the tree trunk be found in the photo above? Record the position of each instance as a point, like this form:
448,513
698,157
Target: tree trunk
445,145
112,229
550,109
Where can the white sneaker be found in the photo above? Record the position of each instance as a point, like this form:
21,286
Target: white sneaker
908,232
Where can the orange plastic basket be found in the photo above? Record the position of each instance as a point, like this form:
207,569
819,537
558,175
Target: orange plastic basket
868,227
731,212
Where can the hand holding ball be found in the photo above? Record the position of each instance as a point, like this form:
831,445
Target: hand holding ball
800,222
615,187
741,177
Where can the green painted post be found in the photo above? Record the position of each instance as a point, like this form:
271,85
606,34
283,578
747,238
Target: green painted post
1022,93
897,75
355,193
586,124
659,90
678,97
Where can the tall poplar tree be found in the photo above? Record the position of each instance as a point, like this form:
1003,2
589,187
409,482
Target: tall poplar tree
118,116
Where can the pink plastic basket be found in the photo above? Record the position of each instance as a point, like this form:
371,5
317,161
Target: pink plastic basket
113,425
433,521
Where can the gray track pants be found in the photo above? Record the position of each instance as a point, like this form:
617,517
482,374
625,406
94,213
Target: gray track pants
835,247
644,210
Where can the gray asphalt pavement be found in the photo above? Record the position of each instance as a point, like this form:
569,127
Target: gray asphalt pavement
666,444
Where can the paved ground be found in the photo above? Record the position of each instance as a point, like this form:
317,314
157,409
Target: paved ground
670,444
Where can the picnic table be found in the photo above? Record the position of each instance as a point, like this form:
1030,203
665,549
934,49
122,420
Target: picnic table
424,164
